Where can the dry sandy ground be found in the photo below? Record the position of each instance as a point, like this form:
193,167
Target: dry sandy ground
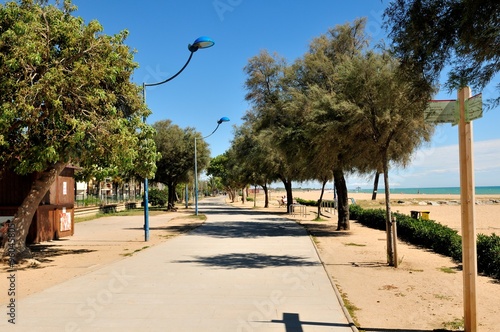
423,294
425,291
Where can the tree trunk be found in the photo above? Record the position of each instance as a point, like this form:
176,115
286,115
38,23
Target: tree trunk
26,211
388,226
243,195
266,195
375,186
171,195
289,194
342,199
231,193
321,197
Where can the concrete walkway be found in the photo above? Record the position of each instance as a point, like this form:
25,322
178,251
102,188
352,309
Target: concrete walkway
242,270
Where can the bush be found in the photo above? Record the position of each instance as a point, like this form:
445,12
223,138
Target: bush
158,197
307,202
355,211
432,235
488,255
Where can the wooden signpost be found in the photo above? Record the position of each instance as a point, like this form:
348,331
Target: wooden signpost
462,112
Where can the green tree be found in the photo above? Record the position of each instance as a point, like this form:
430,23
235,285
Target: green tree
325,111
429,35
388,118
272,117
176,146
66,97
254,153
217,168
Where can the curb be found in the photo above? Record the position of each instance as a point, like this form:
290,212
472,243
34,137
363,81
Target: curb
352,325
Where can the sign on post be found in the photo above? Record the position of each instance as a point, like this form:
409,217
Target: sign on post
447,111
474,108
440,111
462,112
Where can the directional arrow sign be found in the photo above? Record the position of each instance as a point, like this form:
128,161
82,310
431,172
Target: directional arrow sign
441,111
474,108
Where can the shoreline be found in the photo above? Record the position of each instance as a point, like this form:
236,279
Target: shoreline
328,195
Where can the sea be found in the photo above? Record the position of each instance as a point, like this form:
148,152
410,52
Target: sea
480,190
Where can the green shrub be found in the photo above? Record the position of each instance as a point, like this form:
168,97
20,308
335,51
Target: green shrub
488,255
158,197
355,211
307,202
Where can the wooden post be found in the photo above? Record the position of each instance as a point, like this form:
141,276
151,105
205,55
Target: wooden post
395,240
467,200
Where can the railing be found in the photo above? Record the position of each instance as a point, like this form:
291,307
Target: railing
328,206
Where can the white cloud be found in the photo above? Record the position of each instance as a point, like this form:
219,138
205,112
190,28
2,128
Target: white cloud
440,166
435,167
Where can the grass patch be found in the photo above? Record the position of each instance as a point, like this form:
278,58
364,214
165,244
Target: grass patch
442,297
92,217
446,269
201,217
351,308
457,324
315,240
131,212
352,244
128,254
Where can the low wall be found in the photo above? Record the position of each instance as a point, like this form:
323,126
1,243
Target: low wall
109,208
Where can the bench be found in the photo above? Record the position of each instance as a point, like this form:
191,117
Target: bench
110,208
130,205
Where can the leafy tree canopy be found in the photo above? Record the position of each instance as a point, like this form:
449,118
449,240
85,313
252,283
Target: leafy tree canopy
430,34
66,94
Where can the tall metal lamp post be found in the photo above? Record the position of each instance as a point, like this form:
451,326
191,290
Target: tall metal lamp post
221,120
199,43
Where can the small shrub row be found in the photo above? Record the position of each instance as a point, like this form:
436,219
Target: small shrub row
307,202
432,235
488,255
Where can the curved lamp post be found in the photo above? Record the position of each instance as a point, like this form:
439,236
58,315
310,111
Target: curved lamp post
199,43
221,120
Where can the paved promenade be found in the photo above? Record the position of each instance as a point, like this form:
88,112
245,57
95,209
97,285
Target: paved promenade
242,270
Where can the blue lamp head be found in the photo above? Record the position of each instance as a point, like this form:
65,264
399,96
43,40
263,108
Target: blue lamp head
223,119
201,42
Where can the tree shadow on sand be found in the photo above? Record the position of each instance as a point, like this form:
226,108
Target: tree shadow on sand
43,252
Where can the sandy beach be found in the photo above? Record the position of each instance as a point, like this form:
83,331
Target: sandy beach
424,293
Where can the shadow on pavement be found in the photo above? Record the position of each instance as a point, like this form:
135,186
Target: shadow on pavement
249,261
293,323
249,229
368,329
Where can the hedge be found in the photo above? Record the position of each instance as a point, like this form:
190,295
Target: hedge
306,202
436,237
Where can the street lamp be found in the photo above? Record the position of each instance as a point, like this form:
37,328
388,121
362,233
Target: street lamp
199,43
223,119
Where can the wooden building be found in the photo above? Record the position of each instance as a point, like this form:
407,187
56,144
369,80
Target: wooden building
54,217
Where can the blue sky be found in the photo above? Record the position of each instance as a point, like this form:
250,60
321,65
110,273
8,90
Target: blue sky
212,84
